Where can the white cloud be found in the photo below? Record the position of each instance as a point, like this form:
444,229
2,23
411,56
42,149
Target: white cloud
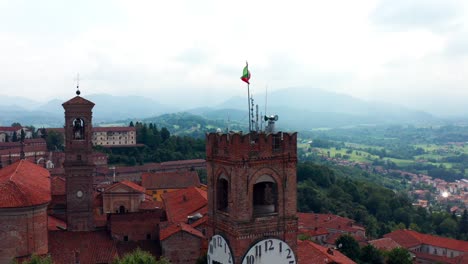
192,52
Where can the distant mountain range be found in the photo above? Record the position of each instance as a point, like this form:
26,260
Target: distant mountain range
301,108
298,109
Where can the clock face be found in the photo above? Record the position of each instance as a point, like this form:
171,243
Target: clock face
79,194
219,251
270,251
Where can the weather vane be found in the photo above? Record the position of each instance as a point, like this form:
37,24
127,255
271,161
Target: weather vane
78,84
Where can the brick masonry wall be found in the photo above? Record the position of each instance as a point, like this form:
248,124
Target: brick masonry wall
23,231
181,248
242,160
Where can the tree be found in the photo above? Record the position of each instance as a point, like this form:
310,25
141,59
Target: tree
131,124
448,227
15,137
399,256
16,124
371,255
140,257
54,141
347,245
23,135
463,225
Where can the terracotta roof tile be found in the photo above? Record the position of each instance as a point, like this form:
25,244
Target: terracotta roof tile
309,252
24,183
385,243
178,227
54,224
185,202
151,205
78,100
58,186
170,179
129,184
328,221
410,238
92,247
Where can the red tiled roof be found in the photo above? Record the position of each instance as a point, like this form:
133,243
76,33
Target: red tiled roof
92,247
385,243
129,184
200,221
134,186
151,205
170,179
113,129
58,186
315,232
328,221
309,252
78,100
24,183
10,129
185,202
410,238
53,223
174,228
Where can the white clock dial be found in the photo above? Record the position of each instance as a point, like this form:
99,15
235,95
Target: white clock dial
219,251
270,251
79,194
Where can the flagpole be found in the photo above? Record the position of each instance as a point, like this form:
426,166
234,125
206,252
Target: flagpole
248,105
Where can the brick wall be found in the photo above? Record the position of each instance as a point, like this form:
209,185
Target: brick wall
243,160
23,231
182,247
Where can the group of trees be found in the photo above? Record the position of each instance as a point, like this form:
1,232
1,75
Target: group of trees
158,145
326,189
368,254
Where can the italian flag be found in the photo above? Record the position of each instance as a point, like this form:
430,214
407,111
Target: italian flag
246,73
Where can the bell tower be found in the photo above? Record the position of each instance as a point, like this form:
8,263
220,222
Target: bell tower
252,197
78,165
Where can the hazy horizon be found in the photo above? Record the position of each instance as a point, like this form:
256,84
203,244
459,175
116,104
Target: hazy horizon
411,53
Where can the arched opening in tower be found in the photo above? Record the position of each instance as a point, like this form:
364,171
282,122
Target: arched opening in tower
223,194
265,196
78,129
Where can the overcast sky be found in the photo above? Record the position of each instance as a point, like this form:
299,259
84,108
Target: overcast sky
410,52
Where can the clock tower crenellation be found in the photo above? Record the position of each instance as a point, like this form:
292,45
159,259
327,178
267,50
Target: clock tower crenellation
252,193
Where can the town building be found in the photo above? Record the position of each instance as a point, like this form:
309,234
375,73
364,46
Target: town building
158,183
7,133
25,194
431,249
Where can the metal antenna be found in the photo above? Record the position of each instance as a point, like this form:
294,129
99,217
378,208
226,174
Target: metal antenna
256,118
252,112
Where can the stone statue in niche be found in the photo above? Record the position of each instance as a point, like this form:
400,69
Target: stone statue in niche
78,129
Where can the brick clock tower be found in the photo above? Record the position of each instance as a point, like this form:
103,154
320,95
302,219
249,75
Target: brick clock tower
78,165
252,198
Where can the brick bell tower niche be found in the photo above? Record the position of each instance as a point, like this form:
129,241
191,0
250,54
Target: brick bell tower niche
252,197
78,165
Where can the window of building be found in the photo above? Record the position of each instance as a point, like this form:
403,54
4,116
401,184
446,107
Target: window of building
265,196
223,193
148,236
125,238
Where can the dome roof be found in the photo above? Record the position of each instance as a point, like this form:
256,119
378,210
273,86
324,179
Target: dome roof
23,184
